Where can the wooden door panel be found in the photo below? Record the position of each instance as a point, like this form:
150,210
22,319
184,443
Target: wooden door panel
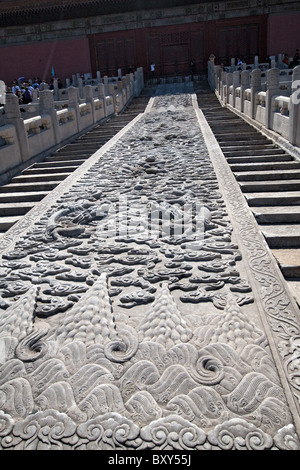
238,41
175,59
197,49
115,53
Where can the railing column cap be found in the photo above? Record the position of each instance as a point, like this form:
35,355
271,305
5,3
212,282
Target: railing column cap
245,77
12,108
256,78
236,77
296,73
73,95
273,78
46,101
89,93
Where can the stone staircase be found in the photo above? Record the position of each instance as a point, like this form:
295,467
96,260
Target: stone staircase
270,180
25,190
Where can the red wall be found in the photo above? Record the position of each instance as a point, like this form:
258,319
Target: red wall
284,33
67,57
173,47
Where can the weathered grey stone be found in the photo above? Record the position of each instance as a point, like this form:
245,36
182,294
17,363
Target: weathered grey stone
138,307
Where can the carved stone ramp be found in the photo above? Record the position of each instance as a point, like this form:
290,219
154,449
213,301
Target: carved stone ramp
141,308
23,192
269,177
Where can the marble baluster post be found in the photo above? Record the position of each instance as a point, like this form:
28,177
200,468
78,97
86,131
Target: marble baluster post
294,129
46,106
73,95
255,88
112,93
89,96
245,84
102,96
229,80
13,116
236,80
273,77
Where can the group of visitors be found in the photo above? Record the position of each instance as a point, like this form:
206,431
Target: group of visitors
291,63
287,61
23,88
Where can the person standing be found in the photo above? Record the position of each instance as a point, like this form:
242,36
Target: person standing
286,61
296,60
15,87
193,68
152,68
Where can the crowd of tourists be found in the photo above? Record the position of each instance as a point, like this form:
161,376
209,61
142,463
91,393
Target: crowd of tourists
291,62
288,62
23,88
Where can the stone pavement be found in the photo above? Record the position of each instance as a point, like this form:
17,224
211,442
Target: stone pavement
141,306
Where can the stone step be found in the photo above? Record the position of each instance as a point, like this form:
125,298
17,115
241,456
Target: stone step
294,287
114,126
219,111
236,131
71,155
218,118
223,120
267,175
260,159
30,196
289,262
7,222
56,163
283,198
265,166
78,145
282,236
40,178
65,156
13,209
97,144
210,107
235,136
277,214
100,142
82,149
95,139
253,152
88,144
264,186
51,169
36,187
256,144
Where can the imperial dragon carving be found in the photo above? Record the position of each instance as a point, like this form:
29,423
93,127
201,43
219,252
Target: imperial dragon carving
127,318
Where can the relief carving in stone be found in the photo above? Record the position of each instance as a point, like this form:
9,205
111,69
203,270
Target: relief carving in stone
127,318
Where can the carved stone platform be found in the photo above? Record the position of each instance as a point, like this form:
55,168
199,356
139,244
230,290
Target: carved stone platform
141,307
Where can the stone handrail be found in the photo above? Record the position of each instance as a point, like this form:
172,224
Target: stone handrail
272,104
53,124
